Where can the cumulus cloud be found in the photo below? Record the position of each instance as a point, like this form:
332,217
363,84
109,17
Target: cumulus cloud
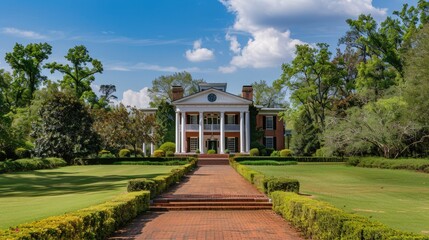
227,69
23,33
269,24
138,99
199,54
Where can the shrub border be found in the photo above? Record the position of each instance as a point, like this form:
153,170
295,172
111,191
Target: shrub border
29,164
95,222
317,219
159,184
290,158
262,183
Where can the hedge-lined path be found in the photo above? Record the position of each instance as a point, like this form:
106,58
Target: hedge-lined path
210,182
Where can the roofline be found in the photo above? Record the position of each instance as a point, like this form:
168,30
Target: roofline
210,89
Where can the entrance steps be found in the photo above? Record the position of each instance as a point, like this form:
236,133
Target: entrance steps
213,159
211,202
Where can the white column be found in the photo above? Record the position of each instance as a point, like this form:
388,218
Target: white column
183,132
222,133
247,131
201,132
242,132
152,146
177,132
144,149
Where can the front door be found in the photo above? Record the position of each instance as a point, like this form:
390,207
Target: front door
212,144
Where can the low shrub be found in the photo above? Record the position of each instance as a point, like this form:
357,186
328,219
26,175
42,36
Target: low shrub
240,158
211,151
254,152
96,222
275,154
227,151
28,164
124,153
285,153
169,154
268,162
281,184
263,183
22,153
197,151
168,146
320,220
378,162
159,184
159,153
263,152
137,152
161,163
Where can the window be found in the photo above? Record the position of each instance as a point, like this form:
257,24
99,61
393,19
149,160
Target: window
269,142
230,145
193,144
269,122
193,119
230,119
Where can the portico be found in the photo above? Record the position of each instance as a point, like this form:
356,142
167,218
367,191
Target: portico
212,119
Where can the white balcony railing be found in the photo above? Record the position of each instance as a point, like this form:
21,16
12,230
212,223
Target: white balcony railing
212,127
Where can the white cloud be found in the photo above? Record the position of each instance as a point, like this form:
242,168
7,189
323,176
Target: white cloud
123,67
199,54
138,99
269,24
23,33
227,69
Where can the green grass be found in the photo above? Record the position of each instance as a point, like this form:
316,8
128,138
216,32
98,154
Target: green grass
28,196
398,198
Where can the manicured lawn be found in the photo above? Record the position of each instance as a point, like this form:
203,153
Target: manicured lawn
398,198
29,196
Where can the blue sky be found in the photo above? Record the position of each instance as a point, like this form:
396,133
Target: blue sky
233,41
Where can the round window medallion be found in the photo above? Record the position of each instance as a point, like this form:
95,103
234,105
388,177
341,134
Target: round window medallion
211,97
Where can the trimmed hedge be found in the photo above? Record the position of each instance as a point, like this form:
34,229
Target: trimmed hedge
263,183
290,158
160,183
320,220
268,162
28,164
107,161
164,163
96,222
378,162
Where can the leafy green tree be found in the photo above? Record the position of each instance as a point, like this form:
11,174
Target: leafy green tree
161,87
312,80
122,127
78,76
26,62
165,120
268,96
65,128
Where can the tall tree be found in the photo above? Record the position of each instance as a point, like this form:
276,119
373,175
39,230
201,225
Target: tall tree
268,96
165,119
107,92
312,80
78,76
161,87
65,128
26,62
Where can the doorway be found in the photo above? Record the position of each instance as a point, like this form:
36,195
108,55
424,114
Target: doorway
212,144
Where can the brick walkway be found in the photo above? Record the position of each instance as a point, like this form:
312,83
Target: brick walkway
210,181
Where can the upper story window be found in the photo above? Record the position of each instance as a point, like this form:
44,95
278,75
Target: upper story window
193,119
269,122
230,119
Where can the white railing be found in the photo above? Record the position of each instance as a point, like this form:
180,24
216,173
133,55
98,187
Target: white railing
212,127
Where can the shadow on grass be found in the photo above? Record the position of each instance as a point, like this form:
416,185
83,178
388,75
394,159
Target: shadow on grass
57,183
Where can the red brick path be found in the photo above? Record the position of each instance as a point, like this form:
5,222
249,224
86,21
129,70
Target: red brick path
210,181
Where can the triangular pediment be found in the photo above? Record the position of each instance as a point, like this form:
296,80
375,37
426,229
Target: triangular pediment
212,97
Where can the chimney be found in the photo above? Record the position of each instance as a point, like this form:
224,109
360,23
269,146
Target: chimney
247,92
177,92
